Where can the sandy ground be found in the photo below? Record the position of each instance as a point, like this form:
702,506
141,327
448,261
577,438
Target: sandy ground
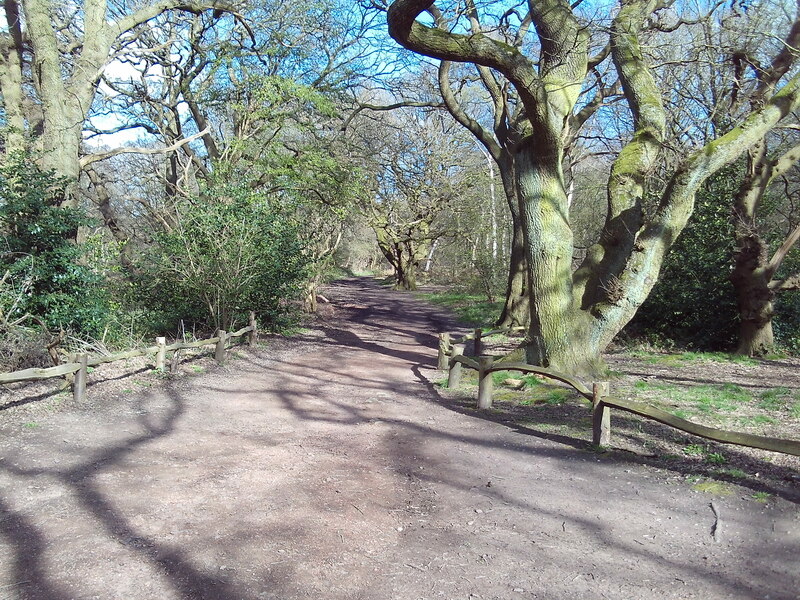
329,467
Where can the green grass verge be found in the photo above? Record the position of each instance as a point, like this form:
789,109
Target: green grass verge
682,358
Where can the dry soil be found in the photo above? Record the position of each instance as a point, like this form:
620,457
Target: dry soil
328,466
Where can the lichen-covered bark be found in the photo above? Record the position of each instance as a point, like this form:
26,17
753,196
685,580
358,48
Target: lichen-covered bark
11,78
753,268
596,279
677,203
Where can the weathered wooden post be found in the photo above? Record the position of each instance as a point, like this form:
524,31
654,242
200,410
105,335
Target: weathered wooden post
454,376
601,415
79,384
485,382
252,339
176,357
478,343
162,353
219,353
444,343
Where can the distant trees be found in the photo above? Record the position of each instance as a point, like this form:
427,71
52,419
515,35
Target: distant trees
417,177
245,94
550,112
576,312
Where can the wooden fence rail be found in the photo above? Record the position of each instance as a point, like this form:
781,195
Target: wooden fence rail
477,337
598,394
709,433
79,364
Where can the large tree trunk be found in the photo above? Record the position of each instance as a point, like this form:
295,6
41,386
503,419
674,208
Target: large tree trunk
556,338
573,318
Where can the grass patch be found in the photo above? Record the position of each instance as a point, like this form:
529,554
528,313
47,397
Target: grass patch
649,386
718,357
732,473
774,399
757,420
693,400
715,488
762,497
471,309
716,458
557,396
498,377
694,450
680,359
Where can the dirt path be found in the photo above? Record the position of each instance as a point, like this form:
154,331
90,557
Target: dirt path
329,468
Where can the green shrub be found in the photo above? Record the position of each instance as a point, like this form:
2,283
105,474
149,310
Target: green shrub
231,251
47,273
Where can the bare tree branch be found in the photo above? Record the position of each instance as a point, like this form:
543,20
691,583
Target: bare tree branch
93,158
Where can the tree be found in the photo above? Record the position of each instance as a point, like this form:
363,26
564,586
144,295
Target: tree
264,102
51,61
754,275
575,314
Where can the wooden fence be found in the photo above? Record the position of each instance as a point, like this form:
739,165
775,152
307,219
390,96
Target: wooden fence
477,337
452,359
80,363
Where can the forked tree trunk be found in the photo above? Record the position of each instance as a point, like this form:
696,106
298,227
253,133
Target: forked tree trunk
573,318
405,274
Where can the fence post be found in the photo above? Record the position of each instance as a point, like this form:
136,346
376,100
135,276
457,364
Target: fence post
478,345
444,342
252,339
601,415
79,384
162,353
454,376
219,353
485,381
176,357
